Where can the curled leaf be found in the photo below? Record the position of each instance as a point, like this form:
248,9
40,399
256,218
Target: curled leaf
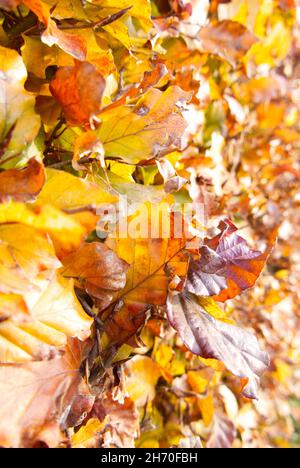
69,43
173,182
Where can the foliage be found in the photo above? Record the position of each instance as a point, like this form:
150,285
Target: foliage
149,339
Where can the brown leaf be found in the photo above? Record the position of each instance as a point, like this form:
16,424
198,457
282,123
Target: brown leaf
98,269
213,339
228,39
147,280
37,398
79,91
227,265
223,434
22,184
122,421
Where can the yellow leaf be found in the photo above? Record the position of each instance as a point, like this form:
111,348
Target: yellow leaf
87,436
16,109
63,228
141,376
67,192
213,309
206,406
26,257
140,132
199,380
53,315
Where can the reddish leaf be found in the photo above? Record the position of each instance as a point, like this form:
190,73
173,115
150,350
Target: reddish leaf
22,184
227,265
212,339
79,91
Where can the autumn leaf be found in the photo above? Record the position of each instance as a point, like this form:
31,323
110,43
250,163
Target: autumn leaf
24,259
48,312
144,130
64,229
22,184
228,39
67,192
89,435
12,306
98,270
128,131
48,391
141,377
222,435
53,315
147,280
122,28
79,90
122,421
16,110
213,339
173,182
69,43
227,266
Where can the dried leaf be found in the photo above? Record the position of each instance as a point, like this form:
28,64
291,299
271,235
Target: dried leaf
98,269
79,91
227,266
122,421
228,39
22,184
222,435
145,130
16,109
213,339
47,390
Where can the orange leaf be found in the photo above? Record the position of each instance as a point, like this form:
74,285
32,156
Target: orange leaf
98,269
79,91
22,184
